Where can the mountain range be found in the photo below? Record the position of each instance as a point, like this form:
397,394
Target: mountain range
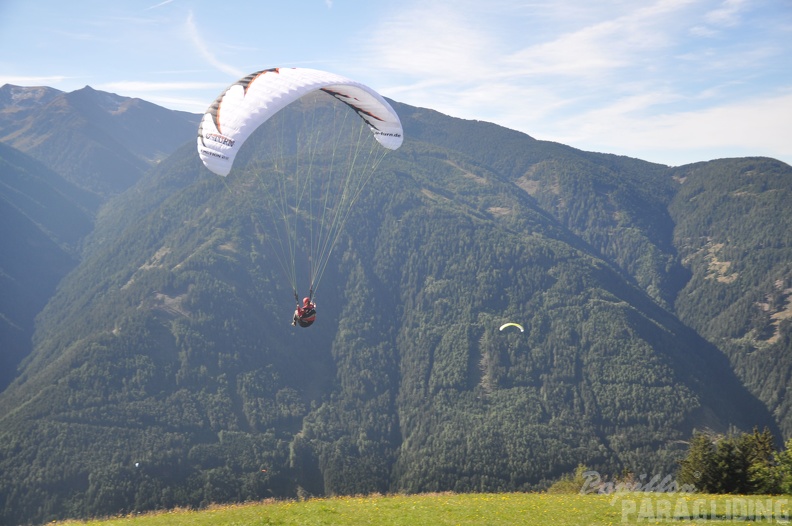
162,369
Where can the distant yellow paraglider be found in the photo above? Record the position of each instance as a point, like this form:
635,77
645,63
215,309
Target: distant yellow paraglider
512,324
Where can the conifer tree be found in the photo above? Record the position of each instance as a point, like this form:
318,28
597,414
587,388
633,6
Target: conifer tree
697,468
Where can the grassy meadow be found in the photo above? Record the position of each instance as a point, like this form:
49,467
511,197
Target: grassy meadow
525,509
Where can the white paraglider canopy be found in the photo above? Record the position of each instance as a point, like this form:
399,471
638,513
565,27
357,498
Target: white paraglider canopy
249,102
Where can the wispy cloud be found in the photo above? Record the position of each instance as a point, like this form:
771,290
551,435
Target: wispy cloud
759,126
52,80
84,36
727,14
192,105
203,49
155,6
185,96
138,86
439,46
434,41
620,74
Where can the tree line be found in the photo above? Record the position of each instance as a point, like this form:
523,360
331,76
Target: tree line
745,464
733,463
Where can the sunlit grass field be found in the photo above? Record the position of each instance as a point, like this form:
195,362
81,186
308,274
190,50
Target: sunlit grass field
481,509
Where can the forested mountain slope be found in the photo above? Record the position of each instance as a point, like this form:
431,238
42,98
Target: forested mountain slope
166,372
665,228
43,218
616,204
734,232
89,145
99,141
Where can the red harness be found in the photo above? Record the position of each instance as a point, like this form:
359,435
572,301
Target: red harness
305,317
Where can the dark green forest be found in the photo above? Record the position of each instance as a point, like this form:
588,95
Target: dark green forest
741,464
43,219
165,371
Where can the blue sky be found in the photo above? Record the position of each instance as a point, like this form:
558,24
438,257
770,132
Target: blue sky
669,81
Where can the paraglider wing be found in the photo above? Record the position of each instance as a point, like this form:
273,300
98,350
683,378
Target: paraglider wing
512,324
250,101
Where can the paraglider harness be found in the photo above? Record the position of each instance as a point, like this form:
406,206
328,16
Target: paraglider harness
306,315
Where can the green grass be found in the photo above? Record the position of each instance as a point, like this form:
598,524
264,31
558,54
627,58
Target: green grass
480,509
